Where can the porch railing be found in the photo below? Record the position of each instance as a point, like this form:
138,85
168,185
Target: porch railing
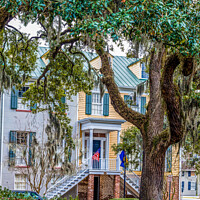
107,164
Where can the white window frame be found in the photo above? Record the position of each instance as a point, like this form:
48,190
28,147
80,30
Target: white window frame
19,161
20,105
193,185
98,104
15,182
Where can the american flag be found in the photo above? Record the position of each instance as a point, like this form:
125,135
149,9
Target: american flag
96,155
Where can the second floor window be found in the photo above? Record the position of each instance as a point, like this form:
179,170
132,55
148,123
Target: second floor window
189,173
20,105
144,74
96,104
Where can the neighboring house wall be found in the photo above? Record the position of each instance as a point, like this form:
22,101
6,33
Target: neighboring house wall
26,121
188,183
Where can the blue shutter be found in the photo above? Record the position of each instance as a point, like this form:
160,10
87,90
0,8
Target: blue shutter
182,188
31,135
88,106
126,99
13,137
12,141
169,159
33,107
143,103
189,185
189,173
106,104
14,98
63,101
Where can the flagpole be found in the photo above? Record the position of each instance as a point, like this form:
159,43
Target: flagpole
125,182
125,176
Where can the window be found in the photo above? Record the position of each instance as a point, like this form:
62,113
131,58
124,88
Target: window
144,74
21,159
193,185
189,173
20,105
96,104
20,182
20,152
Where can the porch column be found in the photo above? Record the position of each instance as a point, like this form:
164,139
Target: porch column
118,159
107,150
91,149
83,147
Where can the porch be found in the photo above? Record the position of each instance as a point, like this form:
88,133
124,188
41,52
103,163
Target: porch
95,139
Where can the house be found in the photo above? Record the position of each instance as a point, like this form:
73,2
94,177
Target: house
96,127
188,177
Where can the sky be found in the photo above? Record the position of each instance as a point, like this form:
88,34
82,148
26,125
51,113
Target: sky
33,28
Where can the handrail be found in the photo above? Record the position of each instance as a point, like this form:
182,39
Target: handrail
65,178
78,176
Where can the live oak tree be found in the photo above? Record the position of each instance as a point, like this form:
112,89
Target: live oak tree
166,31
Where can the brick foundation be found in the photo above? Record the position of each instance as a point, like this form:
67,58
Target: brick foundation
83,189
106,187
117,187
90,193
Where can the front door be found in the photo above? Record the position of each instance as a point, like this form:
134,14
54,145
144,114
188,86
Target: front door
96,146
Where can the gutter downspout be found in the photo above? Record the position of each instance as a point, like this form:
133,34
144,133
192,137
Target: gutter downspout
2,135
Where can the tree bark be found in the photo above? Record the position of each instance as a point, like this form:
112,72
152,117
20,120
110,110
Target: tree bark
164,97
152,176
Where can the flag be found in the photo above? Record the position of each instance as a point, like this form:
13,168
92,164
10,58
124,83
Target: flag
96,155
123,158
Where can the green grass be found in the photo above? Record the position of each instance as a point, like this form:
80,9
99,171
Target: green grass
125,199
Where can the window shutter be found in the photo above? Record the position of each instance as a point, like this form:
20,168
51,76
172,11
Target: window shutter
182,188
143,103
169,159
106,104
14,98
189,173
12,141
88,106
31,135
63,99
189,185
13,137
127,98
33,107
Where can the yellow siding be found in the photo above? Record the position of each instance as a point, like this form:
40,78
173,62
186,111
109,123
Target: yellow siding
113,135
136,69
175,160
96,63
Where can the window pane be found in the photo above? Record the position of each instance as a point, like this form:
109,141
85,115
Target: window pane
20,182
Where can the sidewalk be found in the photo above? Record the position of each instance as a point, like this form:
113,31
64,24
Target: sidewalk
190,197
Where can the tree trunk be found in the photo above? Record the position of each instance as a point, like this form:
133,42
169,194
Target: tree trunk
152,175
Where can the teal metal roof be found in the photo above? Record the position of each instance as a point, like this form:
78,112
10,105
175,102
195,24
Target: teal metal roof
40,64
123,75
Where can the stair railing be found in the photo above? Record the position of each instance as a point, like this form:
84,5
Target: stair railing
59,182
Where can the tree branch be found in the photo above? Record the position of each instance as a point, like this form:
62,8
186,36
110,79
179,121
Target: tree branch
116,100
172,98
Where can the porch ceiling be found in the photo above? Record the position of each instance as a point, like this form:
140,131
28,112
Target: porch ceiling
101,124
